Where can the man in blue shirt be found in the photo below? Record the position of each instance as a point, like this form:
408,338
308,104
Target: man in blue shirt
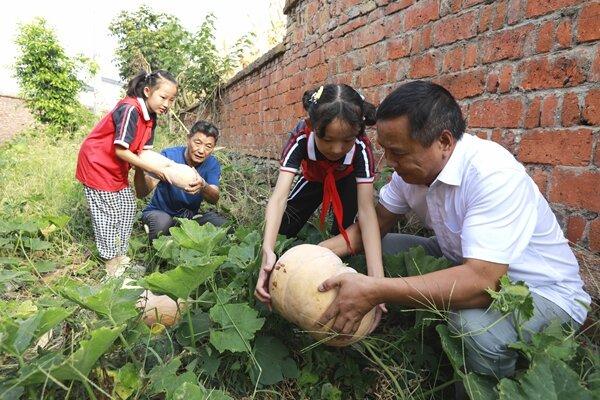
170,201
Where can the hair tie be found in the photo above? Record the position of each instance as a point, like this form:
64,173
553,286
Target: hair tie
316,95
147,76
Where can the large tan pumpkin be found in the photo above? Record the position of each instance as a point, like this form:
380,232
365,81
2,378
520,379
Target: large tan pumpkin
180,175
293,286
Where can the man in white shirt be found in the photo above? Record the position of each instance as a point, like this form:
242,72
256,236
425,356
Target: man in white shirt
489,219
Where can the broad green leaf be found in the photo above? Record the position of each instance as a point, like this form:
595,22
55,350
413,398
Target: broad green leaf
183,280
330,392
4,261
200,327
164,378
192,235
190,391
109,301
10,392
546,379
453,347
418,262
512,298
479,387
76,366
127,381
34,327
274,360
59,220
35,244
238,323
5,243
166,247
45,266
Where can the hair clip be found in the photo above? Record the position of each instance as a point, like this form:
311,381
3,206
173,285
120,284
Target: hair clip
316,95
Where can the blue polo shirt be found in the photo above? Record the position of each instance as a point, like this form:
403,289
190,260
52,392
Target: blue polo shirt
175,201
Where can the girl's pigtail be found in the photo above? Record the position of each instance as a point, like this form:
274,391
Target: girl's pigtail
135,87
369,112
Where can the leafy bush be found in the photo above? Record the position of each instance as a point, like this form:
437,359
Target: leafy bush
48,78
149,40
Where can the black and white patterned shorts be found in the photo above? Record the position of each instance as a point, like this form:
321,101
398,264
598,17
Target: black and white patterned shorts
113,214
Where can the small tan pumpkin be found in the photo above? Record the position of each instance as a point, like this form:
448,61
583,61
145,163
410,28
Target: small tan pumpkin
160,309
293,286
180,175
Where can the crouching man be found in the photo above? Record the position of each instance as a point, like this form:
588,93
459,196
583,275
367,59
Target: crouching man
489,219
170,201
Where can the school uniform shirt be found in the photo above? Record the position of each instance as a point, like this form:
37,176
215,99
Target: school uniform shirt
483,205
128,125
301,146
175,201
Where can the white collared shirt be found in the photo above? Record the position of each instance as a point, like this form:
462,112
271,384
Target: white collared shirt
483,205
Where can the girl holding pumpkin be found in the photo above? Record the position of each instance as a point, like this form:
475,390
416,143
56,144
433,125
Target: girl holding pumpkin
336,160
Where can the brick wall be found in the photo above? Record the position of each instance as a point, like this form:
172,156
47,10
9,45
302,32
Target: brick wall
526,73
14,117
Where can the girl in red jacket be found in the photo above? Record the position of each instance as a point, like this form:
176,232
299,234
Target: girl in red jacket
108,153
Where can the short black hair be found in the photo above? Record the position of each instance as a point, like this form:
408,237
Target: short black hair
306,98
343,102
135,87
430,109
205,127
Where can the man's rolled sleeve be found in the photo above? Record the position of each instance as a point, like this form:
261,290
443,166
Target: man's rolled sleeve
392,197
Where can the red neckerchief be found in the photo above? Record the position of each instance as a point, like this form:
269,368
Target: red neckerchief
327,172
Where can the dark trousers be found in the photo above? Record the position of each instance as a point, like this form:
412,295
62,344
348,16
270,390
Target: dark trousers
305,197
160,222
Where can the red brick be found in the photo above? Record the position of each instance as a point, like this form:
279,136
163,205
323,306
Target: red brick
397,5
563,33
426,35
424,66
575,228
544,40
372,76
549,111
453,60
504,138
541,7
543,73
594,235
398,47
455,28
597,156
507,44
589,23
540,177
499,15
471,55
505,79
492,82
576,188
393,25
496,113
548,146
470,3
485,18
570,114
421,13
368,34
515,11
464,84
591,110
595,73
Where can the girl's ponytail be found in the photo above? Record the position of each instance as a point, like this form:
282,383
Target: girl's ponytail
369,112
135,87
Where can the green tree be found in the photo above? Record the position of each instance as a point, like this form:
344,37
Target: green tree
149,40
48,77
